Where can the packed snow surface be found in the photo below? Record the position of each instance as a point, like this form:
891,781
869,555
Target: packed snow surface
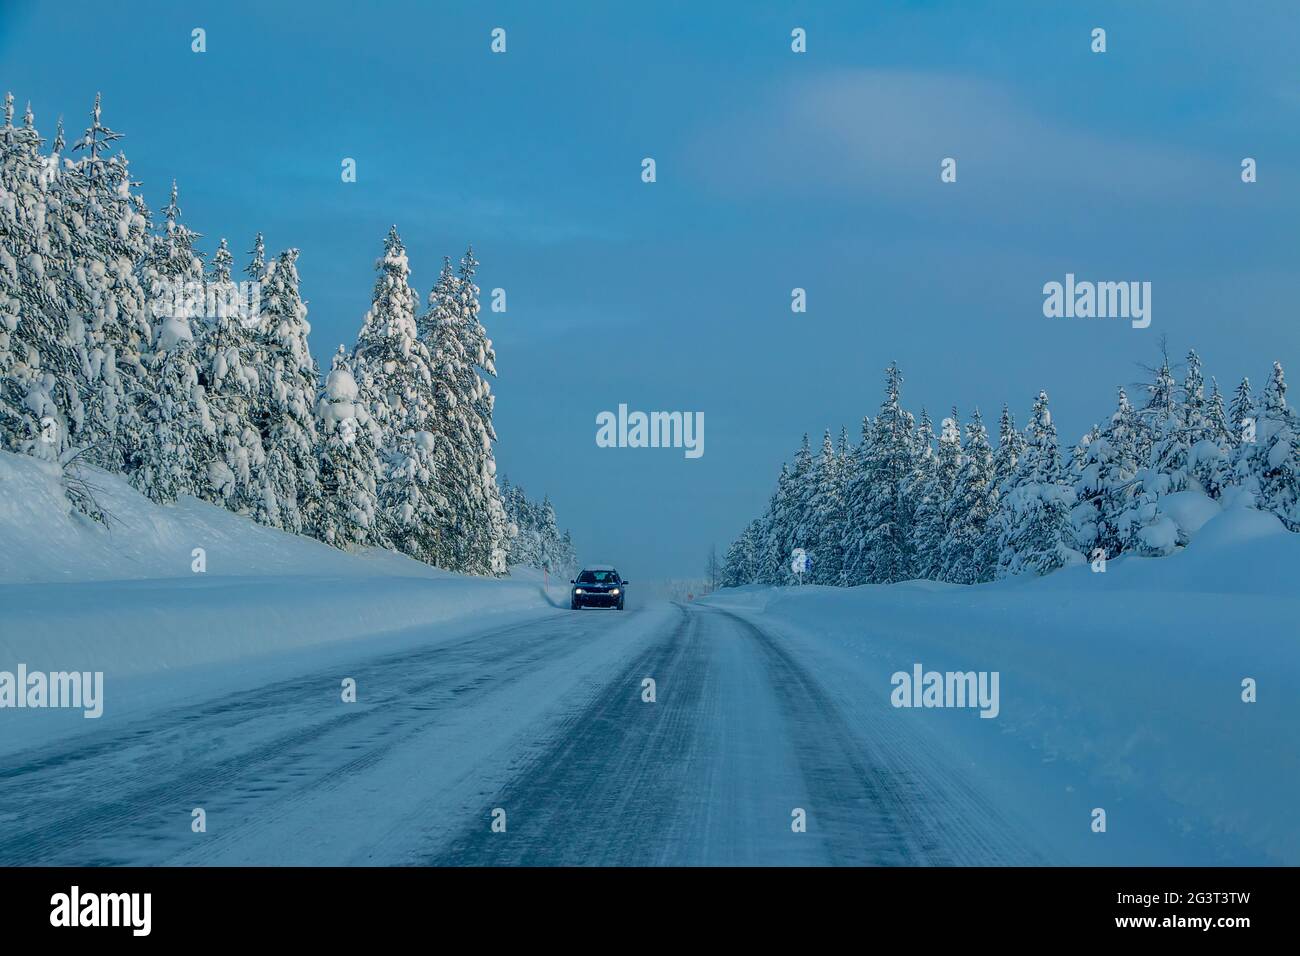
1119,691
128,600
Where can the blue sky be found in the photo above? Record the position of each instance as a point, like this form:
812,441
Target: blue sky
775,170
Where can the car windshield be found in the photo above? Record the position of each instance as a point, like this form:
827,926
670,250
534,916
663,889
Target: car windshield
598,577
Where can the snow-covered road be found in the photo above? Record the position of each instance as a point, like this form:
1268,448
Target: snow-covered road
543,719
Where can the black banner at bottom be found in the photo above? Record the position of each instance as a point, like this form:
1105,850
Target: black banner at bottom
346,904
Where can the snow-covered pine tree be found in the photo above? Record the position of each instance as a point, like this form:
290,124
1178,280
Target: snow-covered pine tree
1112,497
1079,453
1034,517
1241,413
41,393
349,466
1206,438
1211,463
519,527
409,496
1183,438
781,525
740,567
792,518
1269,467
923,441
1161,411
923,466
969,550
512,524
568,553
456,450
399,374
1195,411
753,536
829,513
40,400
394,371
559,545
767,568
856,500
179,440
804,504
84,363
474,522
228,367
489,530
1216,415
256,268
883,545
103,234
1243,419
531,511
535,539
1083,516
284,406
1145,529
936,494
733,564
810,510
1079,450
530,548
1148,531
1108,484
771,567
534,548
1011,445
548,536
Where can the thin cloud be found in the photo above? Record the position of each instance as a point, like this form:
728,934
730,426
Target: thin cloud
882,134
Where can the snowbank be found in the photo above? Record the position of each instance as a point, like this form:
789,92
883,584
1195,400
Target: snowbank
128,600
1120,690
43,540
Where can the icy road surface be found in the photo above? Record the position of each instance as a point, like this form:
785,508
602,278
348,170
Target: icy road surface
544,720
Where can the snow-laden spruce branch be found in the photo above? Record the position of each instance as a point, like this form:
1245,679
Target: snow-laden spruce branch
905,504
118,348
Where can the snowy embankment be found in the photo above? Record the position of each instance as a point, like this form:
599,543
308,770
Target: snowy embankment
128,600
1120,690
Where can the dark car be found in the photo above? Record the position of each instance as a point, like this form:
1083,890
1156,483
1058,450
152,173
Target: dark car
598,587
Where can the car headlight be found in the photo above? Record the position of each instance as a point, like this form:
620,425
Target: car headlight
579,591
614,592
